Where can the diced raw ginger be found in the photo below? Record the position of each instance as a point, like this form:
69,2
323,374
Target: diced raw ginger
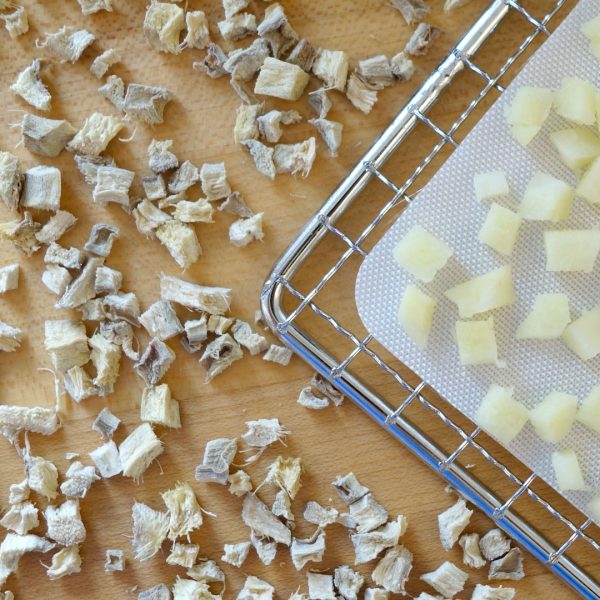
528,112
415,315
577,147
594,508
421,253
591,29
576,101
589,411
553,417
567,470
500,415
485,292
500,229
490,185
588,187
572,250
546,199
477,342
547,319
582,336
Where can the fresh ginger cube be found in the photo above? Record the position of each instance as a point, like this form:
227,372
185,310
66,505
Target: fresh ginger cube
547,319
524,133
567,470
572,249
576,101
415,315
421,253
594,508
546,199
553,417
490,185
500,415
588,187
591,29
529,109
577,147
582,336
589,411
476,342
500,229
485,292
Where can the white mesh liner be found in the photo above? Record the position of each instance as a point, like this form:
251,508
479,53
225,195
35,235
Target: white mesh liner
447,207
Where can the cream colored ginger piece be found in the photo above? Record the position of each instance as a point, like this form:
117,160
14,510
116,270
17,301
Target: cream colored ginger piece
264,432
360,94
310,400
106,423
16,22
138,450
320,586
237,26
183,555
122,306
95,134
163,25
64,562
120,332
31,88
235,554
412,11
21,232
197,34
88,165
185,589
35,419
56,279
278,354
181,242
269,124
160,320
262,156
213,178
453,522
114,91
185,177
403,67
70,258
14,546
246,125
154,187
469,542
41,188
281,80
348,582
108,281
285,472
155,362
368,546
276,29
295,158
206,570
243,63
115,560
218,456
185,514
239,483
331,132
66,342
79,385
46,137
148,218
219,355
303,55
320,102
266,549
199,211
243,231
509,566
256,589
107,460
104,61
263,522
18,492
218,324
213,300
348,488
159,408
56,226
305,551
112,185
392,571
160,157
331,67
421,39
232,7
486,592
150,529
146,103
157,592
20,518
106,357
10,180
376,71
64,524
318,515
243,334
234,204
447,579
9,278
196,331
67,44
213,62
381,594
368,513
282,507
79,479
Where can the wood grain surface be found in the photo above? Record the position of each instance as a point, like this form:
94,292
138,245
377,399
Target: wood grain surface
330,442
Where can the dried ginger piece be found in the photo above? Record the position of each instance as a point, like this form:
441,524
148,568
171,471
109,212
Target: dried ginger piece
453,522
157,592
219,355
106,423
146,103
469,542
70,258
263,522
318,515
20,518
262,156
264,432
78,480
104,61
41,188
67,44
278,354
281,80
368,513
331,132
368,546
213,179
198,34
361,95
66,342
160,158
21,232
509,566
325,387
148,218
89,7
244,231
79,385
310,400
159,408
331,67
412,11
160,320
155,362
235,554
239,483
154,187
121,307
163,25
199,211
112,185
185,514
305,551
107,281
106,458
56,279
95,134
237,26
392,571
56,226
106,358
46,137
150,529
88,166
494,544
183,555
115,560
486,592
348,582
114,91
276,29
348,488
376,71
181,241
185,177
64,562
450,5
403,67
213,300
14,546
422,38
269,124
381,594
213,62
10,180
303,54
320,102
295,158
218,456
234,204
285,472
256,589
138,450
18,492
246,125
16,22
447,579
31,88
320,586
64,524
253,342
243,63
34,419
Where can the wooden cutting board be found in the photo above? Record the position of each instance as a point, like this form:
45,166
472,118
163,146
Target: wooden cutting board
330,442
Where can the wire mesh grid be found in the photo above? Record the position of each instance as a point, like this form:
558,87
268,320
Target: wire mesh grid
309,296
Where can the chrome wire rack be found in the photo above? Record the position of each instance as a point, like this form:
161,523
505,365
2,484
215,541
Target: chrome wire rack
308,299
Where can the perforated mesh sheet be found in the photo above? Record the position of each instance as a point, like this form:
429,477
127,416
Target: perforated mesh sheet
447,207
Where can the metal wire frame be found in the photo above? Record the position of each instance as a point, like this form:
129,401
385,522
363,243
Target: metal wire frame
393,419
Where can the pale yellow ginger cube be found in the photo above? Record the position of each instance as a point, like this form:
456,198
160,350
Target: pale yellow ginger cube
476,342
546,199
594,508
500,229
490,185
415,315
421,253
582,336
281,79
554,416
576,101
572,250
528,112
577,147
159,407
591,29
486,292
547,319
589,411
500,415
588,187
567,470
